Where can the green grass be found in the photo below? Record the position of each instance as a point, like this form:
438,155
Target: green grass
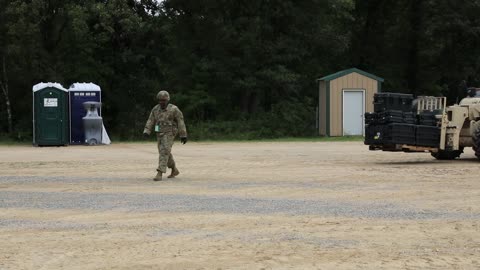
10,142
286,139
294,139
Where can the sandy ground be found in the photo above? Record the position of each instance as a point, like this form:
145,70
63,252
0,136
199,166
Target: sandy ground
309,205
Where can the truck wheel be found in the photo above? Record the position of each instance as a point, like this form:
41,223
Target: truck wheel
476,138
447,155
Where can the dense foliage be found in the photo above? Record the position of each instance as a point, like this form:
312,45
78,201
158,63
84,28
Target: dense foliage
237,69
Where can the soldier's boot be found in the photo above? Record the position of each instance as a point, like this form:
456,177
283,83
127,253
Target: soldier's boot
174,173
158,177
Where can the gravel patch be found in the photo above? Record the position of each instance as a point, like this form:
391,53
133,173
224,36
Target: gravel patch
216,204
59,179
290,184
21,224
23,180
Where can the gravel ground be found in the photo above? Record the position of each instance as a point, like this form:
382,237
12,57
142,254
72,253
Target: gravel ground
237,206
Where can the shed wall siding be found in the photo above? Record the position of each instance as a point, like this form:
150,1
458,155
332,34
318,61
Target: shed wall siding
335,107
350,81
322,108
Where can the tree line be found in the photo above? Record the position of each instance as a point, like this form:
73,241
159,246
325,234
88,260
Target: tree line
236,68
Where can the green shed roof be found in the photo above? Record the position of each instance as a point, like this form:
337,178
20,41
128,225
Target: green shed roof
348,71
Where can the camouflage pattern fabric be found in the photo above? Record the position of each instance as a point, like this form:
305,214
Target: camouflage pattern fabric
167,123
165,157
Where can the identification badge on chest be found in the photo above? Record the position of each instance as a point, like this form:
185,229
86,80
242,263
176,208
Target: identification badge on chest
157,128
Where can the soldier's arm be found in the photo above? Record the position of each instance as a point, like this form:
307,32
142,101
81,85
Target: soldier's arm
182,129
150,123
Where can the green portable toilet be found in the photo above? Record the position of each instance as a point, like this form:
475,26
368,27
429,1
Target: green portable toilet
50,114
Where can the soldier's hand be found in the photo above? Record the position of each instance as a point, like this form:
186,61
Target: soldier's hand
183,140
146,136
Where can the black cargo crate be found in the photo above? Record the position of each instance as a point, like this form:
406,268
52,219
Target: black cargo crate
398,133
390,116
428,123
392,101
394,113
371,118
390,119
373,134
427,115
409,118
427,119
427,136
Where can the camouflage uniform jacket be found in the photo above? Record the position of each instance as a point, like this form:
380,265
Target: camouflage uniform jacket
169,121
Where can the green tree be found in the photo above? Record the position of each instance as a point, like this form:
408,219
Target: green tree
248,56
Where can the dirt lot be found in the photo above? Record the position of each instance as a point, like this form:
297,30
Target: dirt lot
237,206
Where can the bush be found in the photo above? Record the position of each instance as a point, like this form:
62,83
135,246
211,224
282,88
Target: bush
285,120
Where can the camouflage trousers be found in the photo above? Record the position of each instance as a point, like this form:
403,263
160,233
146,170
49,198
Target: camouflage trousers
165,157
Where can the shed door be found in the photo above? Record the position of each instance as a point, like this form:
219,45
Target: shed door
50,116
353,111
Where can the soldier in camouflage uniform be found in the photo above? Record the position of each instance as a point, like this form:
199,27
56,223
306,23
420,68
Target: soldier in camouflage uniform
166,120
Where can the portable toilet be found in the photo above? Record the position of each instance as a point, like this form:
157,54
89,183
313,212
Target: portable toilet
50,114
80,93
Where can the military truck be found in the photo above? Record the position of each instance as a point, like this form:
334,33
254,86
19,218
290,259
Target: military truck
443,131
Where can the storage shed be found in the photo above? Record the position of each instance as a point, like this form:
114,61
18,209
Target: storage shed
344,97
50,114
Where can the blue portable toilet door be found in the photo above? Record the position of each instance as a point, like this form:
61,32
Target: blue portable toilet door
77,111
50,117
